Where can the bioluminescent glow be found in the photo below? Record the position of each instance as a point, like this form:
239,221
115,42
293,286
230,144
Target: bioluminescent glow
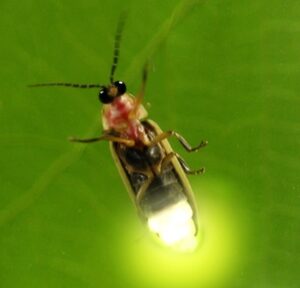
175,226
219,256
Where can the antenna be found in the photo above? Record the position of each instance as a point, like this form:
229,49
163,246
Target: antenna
118,38
72,85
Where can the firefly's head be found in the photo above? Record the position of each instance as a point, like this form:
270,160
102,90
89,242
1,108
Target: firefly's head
108,93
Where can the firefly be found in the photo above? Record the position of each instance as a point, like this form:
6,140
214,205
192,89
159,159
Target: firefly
153,173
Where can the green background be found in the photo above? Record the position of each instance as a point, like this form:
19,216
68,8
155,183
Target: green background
225,71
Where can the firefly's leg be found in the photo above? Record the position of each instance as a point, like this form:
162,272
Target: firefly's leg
183,164
182,141
127,142
139,97
144,187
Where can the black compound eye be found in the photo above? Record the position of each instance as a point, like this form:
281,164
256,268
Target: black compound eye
104,97
121,87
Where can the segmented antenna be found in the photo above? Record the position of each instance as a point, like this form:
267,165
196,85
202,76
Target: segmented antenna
118,38
72,85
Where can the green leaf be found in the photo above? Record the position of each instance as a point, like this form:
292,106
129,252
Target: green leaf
224,71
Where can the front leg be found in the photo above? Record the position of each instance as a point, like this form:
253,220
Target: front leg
181,140
107,137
